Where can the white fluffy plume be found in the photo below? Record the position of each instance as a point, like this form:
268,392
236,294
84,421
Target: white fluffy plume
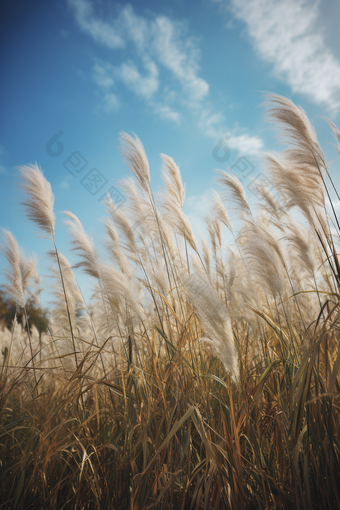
40,199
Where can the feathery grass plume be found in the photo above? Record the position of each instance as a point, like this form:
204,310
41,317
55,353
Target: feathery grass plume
294,129
206,255
236,193
120,287
220,211
39,208
156,274
300,241
173,180
134,155
31,279
10,249
305,165
215,233
83,245
296,188
64,318
336,133
176,219
305,191
231,275
19,276
22,273
81,322
264,260
17,343
40,199
139,221
263,229
137,205
119,217
271,204
172,202
114,248
74,296
215,320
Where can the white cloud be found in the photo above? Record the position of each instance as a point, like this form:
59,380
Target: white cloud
101,77
160,46
198,204
246,144
100,31
3,170
288,34
162,69
180,58
166,112
214,126
136,28
144,86
111,103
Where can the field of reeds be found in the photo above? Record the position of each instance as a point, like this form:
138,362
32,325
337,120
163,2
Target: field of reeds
200,375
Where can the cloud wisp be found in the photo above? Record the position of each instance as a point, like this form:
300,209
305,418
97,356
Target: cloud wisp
157,61
288,35
157,46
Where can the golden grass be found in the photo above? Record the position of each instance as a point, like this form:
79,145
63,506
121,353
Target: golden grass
194,380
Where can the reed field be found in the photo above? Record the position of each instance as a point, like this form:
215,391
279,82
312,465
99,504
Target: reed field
201,374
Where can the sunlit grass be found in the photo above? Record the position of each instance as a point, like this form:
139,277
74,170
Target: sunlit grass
198,377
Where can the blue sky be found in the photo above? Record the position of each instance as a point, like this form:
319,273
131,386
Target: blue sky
181,75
